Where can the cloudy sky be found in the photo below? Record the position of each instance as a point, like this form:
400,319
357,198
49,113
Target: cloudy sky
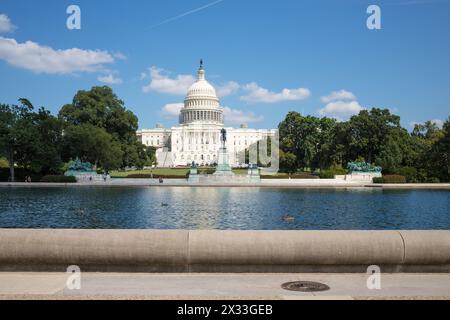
264,57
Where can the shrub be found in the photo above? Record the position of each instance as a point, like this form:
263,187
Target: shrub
148,176
4,163
409,172
332,172
301,175
139,176
394,178
327,174
206,171
58,179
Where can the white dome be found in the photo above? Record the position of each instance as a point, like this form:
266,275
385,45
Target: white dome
201,88
201,104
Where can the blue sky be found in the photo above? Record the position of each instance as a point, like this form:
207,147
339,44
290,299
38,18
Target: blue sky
265,57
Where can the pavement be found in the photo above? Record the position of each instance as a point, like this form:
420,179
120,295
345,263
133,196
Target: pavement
139,286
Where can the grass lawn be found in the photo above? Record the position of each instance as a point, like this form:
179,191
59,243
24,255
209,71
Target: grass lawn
181,173
165,172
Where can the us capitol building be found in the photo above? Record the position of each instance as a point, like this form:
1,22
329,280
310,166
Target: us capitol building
197,138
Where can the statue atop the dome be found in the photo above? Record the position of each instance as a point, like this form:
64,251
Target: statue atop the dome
224,135
201,64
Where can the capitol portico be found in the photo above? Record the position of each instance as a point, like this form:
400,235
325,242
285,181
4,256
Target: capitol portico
197,138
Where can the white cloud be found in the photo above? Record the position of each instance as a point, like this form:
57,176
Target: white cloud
341,95
120,56
341,110
234,116
172,110
340,105
162,83
227,89
439,123
255,93
6,24
43,59
110,79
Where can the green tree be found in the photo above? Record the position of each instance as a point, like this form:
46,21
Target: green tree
150,156
368,133
42,154
13,132
288,162
325,142
101,108
30,139
439,156
309,139
296,138
92,144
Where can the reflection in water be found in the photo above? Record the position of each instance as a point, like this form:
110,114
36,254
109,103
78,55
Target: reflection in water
222,208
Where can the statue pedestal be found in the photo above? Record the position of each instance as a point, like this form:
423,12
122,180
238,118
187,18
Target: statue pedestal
253,174
193,176
223,164
86,176
363,176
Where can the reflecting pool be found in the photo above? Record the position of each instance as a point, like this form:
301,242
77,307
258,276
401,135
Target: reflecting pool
223,208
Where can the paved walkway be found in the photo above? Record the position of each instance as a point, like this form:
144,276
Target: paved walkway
219,286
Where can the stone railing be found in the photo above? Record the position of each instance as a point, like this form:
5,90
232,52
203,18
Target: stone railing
224,251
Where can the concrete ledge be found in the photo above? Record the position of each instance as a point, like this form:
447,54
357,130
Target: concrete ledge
224,251
102,248
295,247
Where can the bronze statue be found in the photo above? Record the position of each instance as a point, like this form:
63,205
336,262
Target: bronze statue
224,135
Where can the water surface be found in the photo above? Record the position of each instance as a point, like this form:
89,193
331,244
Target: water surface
223,208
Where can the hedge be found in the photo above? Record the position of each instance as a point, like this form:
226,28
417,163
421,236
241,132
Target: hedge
19,174
58,179
331,173
292,176
395,178
149,176
409,172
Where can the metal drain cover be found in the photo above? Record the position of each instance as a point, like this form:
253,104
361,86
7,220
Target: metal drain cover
305,286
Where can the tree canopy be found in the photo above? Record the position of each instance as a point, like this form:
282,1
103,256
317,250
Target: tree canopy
374,136
100,108
30,139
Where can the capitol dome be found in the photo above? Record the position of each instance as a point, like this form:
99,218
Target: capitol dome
201,88
201,104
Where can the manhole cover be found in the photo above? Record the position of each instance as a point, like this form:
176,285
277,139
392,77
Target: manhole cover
305,286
